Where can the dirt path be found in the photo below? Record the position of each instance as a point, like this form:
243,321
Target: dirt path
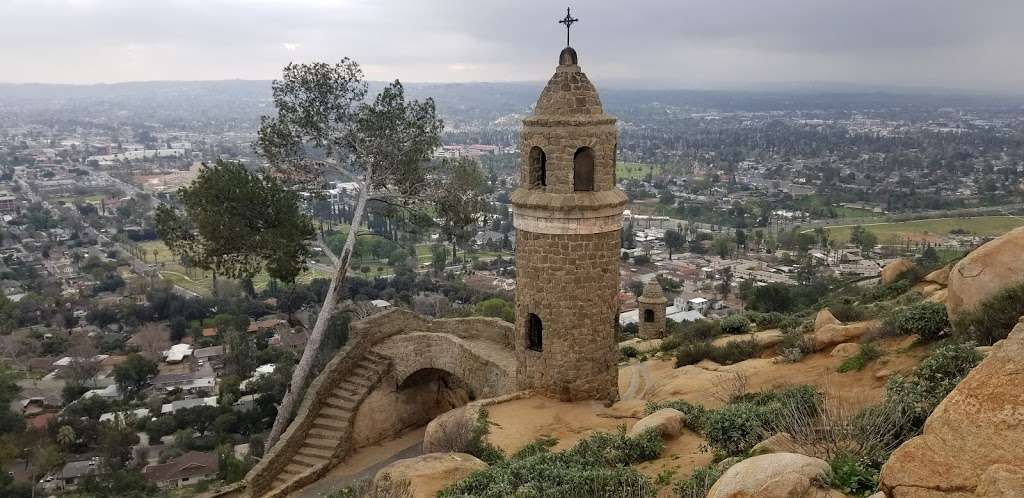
638,379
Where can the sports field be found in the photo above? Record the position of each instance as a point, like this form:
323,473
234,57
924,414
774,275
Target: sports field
635,171
932,230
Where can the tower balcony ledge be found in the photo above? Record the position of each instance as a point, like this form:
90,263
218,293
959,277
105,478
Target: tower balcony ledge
603,201
569,118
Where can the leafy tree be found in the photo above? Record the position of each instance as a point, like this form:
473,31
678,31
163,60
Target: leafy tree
460,201
237,223
10,421
863,238
439,259
674,241
497,308
725,286
775,296
722,246
239,354
160,427
323,128
132,375
45,459
741,239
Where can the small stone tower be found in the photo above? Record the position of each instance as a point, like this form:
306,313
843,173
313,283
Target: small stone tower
652,311
568,216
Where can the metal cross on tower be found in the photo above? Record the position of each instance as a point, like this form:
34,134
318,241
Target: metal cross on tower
568,22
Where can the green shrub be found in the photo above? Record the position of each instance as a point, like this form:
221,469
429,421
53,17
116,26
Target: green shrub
478,445
734,324
692,352
886,291
629,352
802,398
698,483
848,312
735,428
771,320
795,345
617,449
700,330
868,352
852,476
933,380
670,343
693,415
928,320
993,319
735,351
595,466
732,352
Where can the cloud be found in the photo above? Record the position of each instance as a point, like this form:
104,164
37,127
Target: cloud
657,42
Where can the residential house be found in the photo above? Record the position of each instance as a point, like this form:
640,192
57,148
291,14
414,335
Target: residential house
268,325
191,468
182,404
178,353
201,381
291,339
72,474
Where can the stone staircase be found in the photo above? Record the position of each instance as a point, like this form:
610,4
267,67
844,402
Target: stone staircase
328,437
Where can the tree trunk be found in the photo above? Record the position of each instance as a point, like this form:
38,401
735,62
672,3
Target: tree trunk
300,376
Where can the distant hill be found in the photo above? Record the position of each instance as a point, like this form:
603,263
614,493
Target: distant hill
238,104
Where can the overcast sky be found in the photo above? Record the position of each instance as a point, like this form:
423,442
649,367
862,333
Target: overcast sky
973,44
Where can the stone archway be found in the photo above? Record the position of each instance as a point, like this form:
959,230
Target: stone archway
430,374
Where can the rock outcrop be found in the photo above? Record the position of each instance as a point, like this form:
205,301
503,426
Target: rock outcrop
451,431
825,317
667,421
777,475
779,443
940,276
766,339
971,445
984,272
845,350
828,331
425,475
892,271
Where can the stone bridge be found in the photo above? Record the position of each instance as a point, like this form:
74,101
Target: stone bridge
399,370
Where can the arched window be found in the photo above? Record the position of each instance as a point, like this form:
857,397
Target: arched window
538,168
534,333
648,316
583,170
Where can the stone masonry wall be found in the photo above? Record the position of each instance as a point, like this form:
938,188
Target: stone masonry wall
364,335
655,329
571,282
560,143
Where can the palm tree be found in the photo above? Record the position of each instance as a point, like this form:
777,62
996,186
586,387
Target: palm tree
66,436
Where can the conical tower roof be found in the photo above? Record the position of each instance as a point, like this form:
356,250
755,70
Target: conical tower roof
652,293
569,94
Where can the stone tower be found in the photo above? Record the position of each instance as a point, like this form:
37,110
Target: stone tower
652,311
568,216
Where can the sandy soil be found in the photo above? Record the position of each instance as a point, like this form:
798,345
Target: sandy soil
520,422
